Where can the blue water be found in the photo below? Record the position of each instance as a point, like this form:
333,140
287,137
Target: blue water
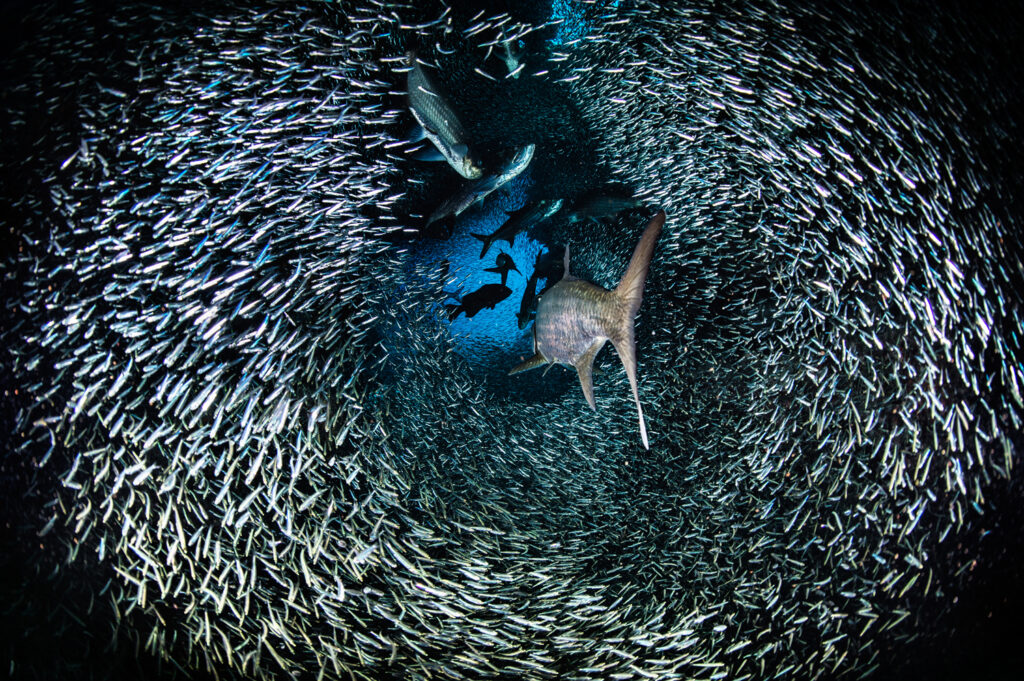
489,339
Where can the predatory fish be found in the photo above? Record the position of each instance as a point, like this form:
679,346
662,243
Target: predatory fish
503,264
575,318
545,267
478,190
518,221
438,122
487,296
596,206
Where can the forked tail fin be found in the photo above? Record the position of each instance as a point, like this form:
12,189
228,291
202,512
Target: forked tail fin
630,293
486,239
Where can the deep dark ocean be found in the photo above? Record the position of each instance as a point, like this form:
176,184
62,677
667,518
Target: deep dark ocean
267,268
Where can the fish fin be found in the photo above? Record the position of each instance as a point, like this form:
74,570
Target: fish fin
417,134
585,368
496,270
460,150
626,349
427,154
630,293
439,229
630,290
565,266
486,238
532,363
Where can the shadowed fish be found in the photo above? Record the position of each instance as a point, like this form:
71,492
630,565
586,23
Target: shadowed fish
601,205
513,54
520,220
575,318
503,264
438,123
525,313
477,190
487,296
544,267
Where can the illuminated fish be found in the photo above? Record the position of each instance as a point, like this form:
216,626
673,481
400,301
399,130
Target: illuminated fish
575,318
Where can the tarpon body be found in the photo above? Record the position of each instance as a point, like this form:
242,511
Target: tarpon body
479,189
518,221
575,318
487,296
439,123
601,206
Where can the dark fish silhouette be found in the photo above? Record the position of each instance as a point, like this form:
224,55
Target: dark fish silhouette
438,123
487,296
502,265
544,267
526,304
518,221
575,318
601,205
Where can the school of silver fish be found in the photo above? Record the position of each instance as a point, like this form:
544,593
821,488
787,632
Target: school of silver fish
255,427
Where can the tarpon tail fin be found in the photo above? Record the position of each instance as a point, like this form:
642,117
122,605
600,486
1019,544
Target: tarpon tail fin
630,293
532,363
486,238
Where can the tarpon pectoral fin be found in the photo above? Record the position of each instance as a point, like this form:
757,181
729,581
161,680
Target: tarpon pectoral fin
532,363
417,134
460,150
427,154
585,368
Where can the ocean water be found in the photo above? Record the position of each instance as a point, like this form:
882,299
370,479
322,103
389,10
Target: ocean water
246,437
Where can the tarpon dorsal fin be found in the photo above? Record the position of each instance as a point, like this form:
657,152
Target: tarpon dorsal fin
585,368
631,288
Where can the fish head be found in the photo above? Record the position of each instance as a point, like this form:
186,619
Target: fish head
469,166
523,156
471,170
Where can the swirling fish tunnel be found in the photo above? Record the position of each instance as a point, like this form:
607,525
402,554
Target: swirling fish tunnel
258,417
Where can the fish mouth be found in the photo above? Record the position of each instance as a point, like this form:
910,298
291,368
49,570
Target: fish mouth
471,169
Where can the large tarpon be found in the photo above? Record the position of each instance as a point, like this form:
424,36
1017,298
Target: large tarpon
575,318
519,221
438,122
478,190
